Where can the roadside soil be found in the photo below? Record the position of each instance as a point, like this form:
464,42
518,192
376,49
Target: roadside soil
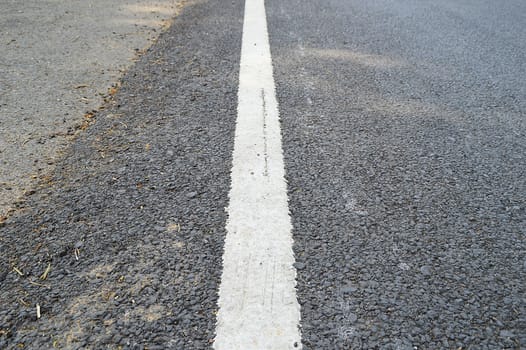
59,61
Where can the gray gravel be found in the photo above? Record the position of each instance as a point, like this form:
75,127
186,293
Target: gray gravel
132,223
405,142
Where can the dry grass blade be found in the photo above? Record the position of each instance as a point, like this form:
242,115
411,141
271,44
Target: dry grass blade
44,275
18,271
38,311
39,284
23,302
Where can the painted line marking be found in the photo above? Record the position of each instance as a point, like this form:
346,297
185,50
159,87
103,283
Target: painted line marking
258,308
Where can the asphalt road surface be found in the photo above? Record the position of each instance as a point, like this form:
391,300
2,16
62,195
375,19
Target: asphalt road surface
403,128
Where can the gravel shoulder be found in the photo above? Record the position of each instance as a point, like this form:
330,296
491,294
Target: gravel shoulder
58,61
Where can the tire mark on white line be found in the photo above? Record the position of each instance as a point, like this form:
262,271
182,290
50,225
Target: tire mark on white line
257,312
265,148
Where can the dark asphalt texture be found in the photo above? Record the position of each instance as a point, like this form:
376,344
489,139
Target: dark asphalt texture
141,195
404,129
404,135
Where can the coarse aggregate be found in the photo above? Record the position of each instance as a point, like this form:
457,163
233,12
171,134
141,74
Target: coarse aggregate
405,139
131,222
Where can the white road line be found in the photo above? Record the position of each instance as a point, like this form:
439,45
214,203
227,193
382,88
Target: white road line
258,308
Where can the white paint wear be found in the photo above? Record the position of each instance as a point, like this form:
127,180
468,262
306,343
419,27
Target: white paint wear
258,308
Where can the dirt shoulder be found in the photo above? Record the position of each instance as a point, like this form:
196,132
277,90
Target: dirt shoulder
58,61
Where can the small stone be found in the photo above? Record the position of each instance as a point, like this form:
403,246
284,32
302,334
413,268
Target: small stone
3,275
352,317
373,284
191,195
403,266
426,270
436,332
79,244
348,289
506,334
117,338
299,265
